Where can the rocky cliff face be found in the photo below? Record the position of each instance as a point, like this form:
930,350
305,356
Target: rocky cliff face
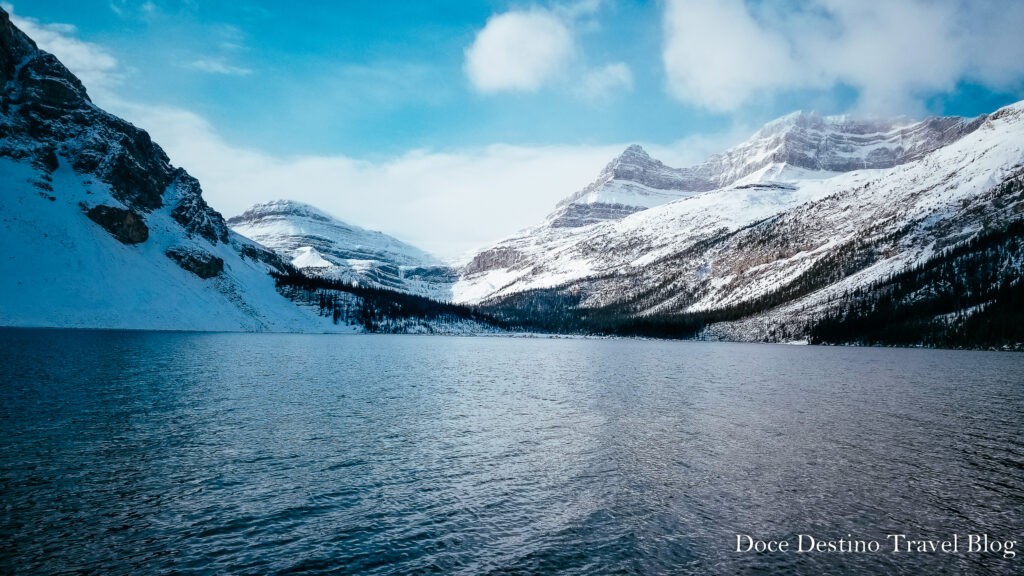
802,144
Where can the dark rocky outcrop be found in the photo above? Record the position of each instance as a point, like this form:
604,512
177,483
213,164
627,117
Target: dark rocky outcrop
192,211
196,261
261,254
125,225
497,257
433,274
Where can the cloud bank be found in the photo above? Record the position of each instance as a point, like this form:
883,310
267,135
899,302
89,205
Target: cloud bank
446,202
723,55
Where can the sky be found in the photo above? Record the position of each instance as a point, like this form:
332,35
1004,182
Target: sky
451,124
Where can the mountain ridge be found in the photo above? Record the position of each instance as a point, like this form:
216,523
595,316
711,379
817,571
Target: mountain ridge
796,146
728,247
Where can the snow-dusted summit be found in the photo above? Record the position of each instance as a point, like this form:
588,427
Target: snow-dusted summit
795,147
321,244
631,182
804,145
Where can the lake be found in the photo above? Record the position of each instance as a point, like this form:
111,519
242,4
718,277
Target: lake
150,452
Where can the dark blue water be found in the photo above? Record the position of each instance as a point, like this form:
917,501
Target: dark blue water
126,453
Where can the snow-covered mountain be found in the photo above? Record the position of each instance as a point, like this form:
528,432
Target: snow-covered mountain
631,182
98,229
319,243
795,147
806,194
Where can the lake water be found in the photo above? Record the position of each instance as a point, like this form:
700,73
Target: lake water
125,453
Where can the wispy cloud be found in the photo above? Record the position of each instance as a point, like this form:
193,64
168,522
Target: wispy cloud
721,55
217,66
92,63
602,84
134,9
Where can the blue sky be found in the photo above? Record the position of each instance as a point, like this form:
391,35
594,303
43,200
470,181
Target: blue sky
371,79
466,108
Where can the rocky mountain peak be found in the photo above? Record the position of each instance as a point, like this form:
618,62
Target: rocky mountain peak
807,145
797,146
46,117
636,164
321,244
633,154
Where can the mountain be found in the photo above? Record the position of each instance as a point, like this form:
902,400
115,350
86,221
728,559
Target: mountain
99,230
320,244
806,212
631,182
825,229
798,146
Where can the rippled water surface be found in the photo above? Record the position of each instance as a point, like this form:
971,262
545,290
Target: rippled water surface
238,453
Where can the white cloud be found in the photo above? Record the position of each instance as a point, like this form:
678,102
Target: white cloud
525,50
602,83
445,202
215,66
578,10
722,55
93,65
518,51
717,56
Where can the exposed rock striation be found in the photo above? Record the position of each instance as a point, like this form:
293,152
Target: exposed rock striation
790,148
